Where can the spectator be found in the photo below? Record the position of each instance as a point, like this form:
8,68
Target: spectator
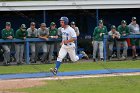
53,33
32,33
7,33
20,34
134,29
113,36
98,34
123,29
43,33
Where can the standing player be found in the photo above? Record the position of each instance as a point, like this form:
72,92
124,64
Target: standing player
113,36
134,29
43,33
19,46
76,29
7,33
52,34
123,29
98,34
68,46
32,33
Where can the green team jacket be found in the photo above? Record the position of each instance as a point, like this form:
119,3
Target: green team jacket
98,31
123,30
21,34
53,32
6,33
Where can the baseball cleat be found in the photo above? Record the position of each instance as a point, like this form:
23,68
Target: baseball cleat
53,70
85,55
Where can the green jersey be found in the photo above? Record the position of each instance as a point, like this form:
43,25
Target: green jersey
21,34
123,30
53,32
6,33
99,33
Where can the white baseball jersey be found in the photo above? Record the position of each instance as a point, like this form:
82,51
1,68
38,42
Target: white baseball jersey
68,33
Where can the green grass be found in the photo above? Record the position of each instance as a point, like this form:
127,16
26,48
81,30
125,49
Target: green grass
125,84
69,67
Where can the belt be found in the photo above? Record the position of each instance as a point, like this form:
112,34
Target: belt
68,44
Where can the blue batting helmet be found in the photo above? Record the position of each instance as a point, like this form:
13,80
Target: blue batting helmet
65,19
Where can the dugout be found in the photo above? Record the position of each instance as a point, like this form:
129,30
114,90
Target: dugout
85,13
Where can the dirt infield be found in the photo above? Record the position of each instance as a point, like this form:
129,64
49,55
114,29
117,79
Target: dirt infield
31,82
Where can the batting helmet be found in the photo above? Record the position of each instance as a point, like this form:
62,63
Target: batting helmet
65,19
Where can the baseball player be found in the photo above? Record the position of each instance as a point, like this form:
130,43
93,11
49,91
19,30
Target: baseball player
68,46
43,33
123,29
134,29
19,46
76,29
98,34
113,36
7,33
32,33
53,33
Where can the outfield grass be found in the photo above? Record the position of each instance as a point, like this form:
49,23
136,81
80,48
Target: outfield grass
69,67
125,84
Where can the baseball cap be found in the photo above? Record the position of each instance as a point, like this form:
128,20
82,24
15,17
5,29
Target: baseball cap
8,23
113,27
32,23
100,21
123,22
72,23
52,23
134,18
23,26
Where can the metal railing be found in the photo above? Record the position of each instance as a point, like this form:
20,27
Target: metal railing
27,42
106,38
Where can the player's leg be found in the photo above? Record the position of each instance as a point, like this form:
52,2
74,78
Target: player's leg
21,53
44,47
6,54
101,50
118,44
95,46
73,55
17,47
125,49
32,46
133,48
51,53
111,44
61,55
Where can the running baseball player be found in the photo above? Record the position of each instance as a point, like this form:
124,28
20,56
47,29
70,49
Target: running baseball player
7,33
134,29
98,34
123,29
68,46
32,33
43,33
113,36
19,46
53,33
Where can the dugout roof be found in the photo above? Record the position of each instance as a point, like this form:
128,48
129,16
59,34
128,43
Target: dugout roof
67,5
